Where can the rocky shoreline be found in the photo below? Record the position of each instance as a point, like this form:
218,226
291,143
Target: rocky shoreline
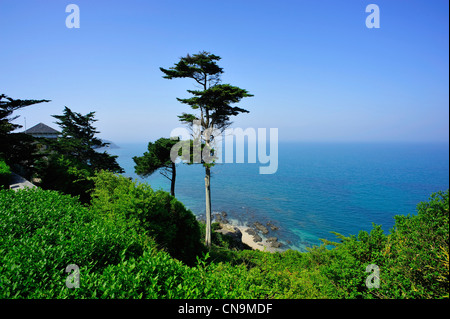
254,236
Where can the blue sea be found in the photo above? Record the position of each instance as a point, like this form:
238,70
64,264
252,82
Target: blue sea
318,188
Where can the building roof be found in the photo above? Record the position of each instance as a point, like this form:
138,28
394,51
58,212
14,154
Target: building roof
41,128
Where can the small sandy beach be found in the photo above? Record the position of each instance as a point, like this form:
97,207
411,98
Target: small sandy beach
263,245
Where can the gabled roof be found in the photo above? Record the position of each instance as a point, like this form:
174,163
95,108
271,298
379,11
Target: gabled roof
41,128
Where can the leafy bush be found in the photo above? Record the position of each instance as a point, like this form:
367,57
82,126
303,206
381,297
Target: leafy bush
157,214
155,274
42,232
5,173
65,174
418,250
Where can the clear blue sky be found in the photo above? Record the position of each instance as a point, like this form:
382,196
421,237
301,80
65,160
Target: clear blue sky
317,72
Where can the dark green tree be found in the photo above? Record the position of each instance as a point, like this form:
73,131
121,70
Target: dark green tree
18,149
78,141
7,107
73,159
213,104
156,158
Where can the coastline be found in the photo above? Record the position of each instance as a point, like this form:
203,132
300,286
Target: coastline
264,245
254,237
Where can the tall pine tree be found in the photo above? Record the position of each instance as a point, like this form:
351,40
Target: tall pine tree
213,104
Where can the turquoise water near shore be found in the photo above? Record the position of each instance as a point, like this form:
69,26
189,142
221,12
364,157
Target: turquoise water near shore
318,188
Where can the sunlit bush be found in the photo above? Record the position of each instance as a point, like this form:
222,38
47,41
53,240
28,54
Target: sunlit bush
158,214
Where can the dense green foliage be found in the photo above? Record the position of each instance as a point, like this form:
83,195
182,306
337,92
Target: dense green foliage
5,173
65,174
44,231
78,140
157,214
68,163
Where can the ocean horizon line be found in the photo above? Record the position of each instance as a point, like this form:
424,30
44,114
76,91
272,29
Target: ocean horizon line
447,143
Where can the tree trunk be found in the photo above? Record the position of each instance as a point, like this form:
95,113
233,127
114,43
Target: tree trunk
172,182
208,207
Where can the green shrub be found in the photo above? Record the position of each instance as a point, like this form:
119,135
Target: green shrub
42,232
65,174
5,174
158,214
156,274
418,250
